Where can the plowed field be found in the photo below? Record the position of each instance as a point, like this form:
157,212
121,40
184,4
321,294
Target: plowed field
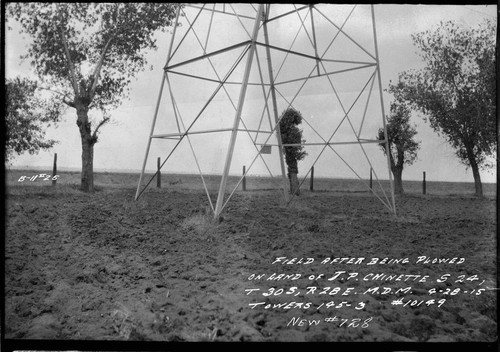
106,267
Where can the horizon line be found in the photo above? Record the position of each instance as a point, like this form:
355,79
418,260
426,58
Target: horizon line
133,171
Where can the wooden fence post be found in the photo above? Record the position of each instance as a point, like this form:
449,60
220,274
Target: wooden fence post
311,185
244,179
423,185
54,170
158,175
371,178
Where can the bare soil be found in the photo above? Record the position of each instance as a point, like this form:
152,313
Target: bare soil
106,267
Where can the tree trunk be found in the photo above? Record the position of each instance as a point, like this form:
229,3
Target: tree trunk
397,171
87,179
475,171
477,178
294,183
293,171
87,176
398,180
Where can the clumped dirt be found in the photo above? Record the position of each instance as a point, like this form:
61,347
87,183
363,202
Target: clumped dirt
106,267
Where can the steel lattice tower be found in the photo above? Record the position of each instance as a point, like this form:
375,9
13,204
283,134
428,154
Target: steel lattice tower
271,57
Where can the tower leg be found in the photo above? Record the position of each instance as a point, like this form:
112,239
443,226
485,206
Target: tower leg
383,110
157,105
275,108
241,101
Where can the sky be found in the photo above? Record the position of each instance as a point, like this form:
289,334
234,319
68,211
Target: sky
123,142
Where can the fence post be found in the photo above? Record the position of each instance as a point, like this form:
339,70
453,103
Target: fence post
54,170
311,185
244,179
158,175
371,178
423,185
